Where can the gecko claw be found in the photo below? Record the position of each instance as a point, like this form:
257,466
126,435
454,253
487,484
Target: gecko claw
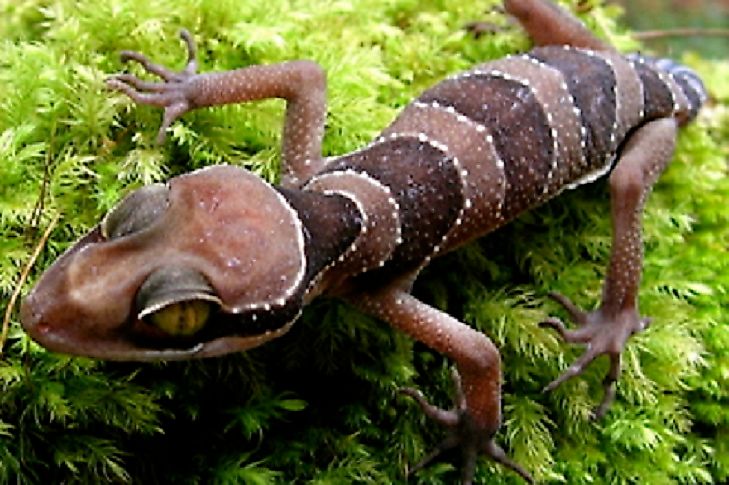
462,432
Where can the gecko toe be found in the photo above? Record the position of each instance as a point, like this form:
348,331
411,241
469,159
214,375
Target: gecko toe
600,411
580,335
126,56
443,417
609,387
189,41
578,367
448,443
577,315
496,453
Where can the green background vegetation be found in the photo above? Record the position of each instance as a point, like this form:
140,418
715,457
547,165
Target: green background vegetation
319,406
649,15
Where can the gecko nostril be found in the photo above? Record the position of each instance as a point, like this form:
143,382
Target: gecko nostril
32,319
29,318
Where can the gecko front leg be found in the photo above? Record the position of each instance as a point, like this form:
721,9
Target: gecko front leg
549,24
301,83
607,329
477,413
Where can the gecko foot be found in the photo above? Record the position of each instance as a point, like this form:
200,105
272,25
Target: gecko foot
169,94
464,433
603,333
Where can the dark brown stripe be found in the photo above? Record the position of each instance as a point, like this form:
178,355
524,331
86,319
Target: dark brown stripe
592,84
658,101
333,219
516,120
426,185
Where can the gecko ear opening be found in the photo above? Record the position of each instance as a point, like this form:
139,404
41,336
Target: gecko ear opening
176,300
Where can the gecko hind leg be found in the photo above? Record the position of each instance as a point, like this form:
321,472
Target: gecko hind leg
606,331
476,416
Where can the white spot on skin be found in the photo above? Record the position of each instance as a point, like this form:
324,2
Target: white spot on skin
460,117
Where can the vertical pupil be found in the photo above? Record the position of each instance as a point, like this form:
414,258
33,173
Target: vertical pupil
181,319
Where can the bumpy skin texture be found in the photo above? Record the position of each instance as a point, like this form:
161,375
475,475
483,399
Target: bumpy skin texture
464,158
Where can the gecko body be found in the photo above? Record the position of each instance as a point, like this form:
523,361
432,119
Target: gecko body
218,260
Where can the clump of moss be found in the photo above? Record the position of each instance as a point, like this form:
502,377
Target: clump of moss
319,405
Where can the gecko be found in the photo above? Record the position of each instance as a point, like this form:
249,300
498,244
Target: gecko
219,260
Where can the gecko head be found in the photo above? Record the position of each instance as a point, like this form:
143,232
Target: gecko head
212,262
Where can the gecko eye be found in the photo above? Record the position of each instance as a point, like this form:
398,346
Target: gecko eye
176,300
136,211
181,319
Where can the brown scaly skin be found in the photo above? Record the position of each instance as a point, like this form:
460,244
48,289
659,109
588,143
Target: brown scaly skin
464,158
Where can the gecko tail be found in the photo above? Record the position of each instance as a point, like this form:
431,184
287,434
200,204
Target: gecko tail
686,78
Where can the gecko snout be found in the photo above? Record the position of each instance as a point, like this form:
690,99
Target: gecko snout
33,322
28,317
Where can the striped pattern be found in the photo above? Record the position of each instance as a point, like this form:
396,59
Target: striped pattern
481,147
381,230
426,183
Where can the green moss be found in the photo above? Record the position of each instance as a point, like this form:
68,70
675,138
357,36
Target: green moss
320,404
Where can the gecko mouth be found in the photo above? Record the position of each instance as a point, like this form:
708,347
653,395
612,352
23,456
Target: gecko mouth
139,341
117,347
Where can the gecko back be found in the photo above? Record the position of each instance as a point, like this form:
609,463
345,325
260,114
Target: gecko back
507,135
